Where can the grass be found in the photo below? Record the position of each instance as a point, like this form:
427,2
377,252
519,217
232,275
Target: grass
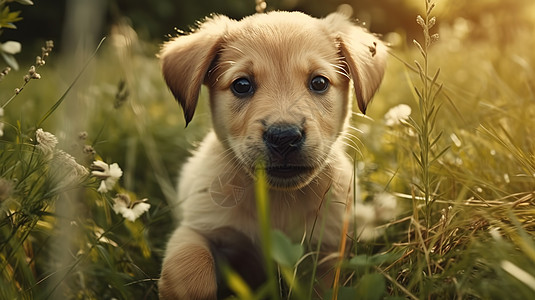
465,225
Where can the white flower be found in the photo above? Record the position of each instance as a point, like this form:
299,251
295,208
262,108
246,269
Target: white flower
495,233
385,206
65,164
397,114
46,141
11,47
365,220
108,173
128,209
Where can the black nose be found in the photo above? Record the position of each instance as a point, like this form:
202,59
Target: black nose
283,139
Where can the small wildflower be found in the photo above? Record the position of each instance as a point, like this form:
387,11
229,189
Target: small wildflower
82,135
385,206
39,61
397,115
45,51
4,72
456,140
432,22
108,173
46,141
10,47
32,74
89,150
260,6
130,210
365,219
420,21
68,164
48,46
495,233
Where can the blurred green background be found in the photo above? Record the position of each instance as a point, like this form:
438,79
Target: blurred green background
154,20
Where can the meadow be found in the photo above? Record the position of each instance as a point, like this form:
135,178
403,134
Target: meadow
91,145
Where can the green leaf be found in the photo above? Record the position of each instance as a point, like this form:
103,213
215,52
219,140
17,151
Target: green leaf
432,144
344,293
362,260
417,159
371,287
420,48
440,154
284,252
24,2
7,18
434,80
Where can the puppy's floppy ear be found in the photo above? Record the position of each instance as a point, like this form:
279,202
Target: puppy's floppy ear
186,61
364,54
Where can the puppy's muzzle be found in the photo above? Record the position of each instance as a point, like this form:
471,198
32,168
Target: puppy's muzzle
284,144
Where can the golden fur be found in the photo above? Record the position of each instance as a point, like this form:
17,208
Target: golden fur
280,53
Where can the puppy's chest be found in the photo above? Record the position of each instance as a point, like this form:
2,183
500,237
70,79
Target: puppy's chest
300,217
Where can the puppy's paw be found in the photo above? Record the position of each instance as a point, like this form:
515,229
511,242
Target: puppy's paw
233,249
188,271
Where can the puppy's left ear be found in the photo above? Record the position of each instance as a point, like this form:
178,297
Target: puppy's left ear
364,54
186,60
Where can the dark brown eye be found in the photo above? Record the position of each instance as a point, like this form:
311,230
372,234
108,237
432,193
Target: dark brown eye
319,84
242,87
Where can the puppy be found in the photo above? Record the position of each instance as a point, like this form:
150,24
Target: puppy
280,93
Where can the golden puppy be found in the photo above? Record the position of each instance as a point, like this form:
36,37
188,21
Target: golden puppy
279,87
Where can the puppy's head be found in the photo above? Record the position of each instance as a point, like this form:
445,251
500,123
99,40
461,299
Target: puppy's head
279,86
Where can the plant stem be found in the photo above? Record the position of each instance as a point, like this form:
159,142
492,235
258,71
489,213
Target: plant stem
263,212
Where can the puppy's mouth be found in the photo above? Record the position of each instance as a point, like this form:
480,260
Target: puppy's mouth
289,177
288,171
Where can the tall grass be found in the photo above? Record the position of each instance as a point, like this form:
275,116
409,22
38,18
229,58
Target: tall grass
461,165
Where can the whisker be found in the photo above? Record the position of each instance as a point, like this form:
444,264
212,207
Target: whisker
362,116
355,129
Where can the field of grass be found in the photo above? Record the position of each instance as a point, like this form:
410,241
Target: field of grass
461,166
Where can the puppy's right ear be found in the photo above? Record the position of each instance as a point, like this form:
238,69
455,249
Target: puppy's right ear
186,61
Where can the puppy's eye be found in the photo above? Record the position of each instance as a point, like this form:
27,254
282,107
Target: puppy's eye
319,84
242,87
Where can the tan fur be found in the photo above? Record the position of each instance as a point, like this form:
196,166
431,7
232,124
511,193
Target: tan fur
281,52
191,265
